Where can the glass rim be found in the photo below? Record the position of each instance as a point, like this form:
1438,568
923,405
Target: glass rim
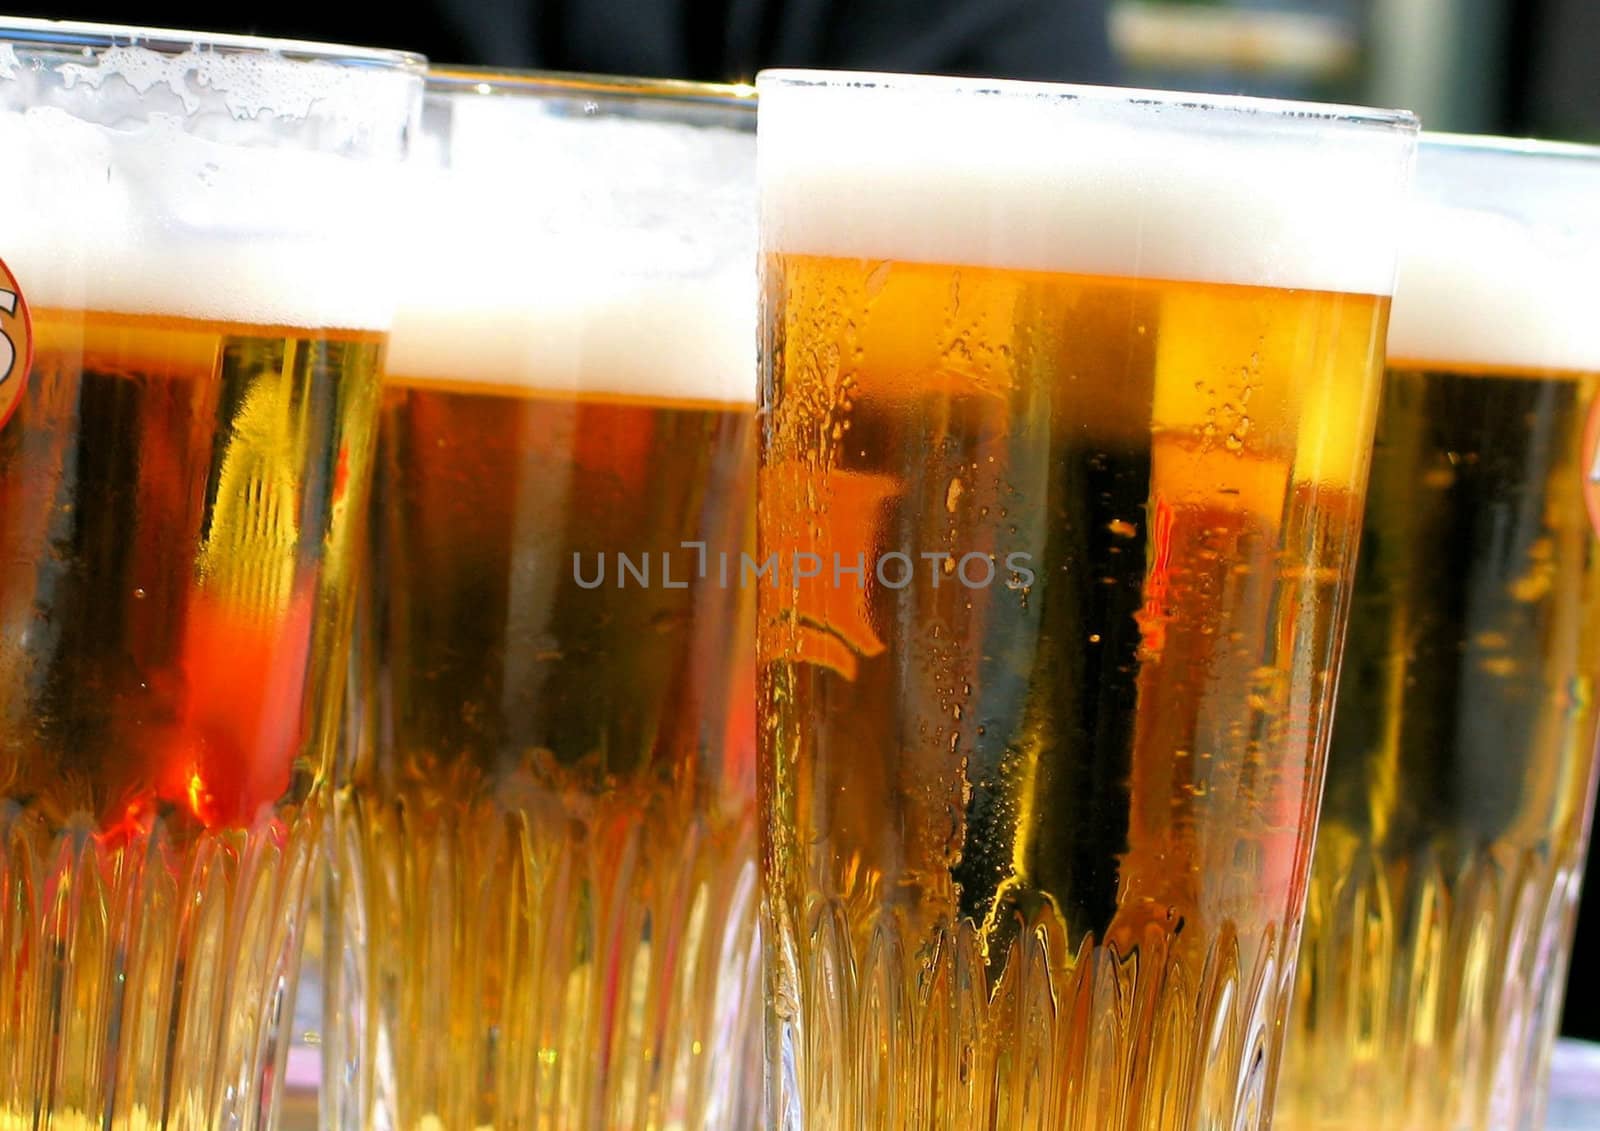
1510,146
1267,109
492,81
76,34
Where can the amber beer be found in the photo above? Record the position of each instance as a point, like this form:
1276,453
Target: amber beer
207,312
1461,775
1036,836
547,831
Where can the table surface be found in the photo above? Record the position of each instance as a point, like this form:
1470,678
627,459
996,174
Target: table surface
1574,1090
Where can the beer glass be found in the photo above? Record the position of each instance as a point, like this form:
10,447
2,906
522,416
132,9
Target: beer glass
1066,409
1461,772
194,305
546,822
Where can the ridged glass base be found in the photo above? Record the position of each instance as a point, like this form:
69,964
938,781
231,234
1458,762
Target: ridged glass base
1160,1034
582,965
146,970
1428,997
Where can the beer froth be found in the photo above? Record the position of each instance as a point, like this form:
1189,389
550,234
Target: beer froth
1050,178
584,256
539,329
1498,282
176,185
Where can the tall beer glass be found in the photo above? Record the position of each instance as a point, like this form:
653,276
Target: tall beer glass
547,823
1461,773
194,307
1067,405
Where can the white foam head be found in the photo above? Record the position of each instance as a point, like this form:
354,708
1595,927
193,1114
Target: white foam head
240,181
1082,180
1500,267
586,252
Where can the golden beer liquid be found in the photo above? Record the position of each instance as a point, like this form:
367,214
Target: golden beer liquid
1033,849
549,832
174,550
1460,776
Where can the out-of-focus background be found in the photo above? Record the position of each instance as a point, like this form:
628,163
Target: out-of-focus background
1527,67
1522,67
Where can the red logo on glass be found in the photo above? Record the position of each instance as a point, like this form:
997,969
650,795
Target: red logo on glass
16,343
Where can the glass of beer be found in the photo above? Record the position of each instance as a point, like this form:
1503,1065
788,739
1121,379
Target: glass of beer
1066,409
546,894
195,295
1462,767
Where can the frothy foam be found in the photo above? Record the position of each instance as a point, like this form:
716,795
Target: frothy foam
1028,177
1501,265
248,84
556,324
584,255
112,205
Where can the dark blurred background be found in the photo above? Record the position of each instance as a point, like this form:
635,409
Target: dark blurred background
1529,67
1522,67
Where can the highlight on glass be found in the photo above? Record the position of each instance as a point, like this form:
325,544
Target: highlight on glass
1461,776
545,900
1035,852
198,283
